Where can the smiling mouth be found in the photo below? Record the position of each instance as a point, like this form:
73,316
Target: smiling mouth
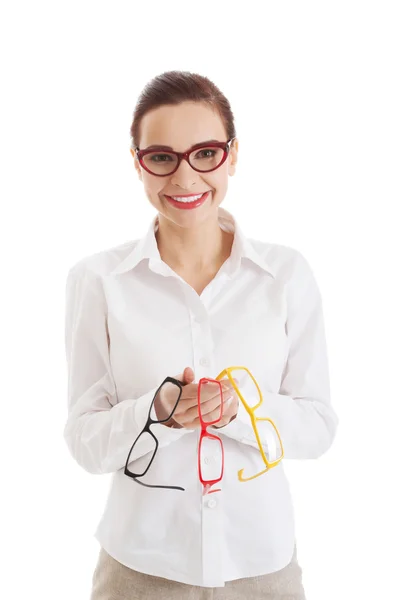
188,198
186,202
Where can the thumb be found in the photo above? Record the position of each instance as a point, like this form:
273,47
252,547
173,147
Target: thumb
186,377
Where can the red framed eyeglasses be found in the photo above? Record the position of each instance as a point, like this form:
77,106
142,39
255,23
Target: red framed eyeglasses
210,454
203,158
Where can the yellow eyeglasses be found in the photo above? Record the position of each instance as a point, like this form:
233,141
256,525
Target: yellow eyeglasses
250,395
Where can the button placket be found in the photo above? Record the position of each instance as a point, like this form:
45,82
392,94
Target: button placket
212,545
212,503
202,343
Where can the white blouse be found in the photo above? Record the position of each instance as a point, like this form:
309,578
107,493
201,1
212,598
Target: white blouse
130,322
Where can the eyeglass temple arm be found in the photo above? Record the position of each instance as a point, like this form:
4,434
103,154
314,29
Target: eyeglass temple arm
162,487
241,478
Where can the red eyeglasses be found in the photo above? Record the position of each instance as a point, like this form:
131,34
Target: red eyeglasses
203,157
211,450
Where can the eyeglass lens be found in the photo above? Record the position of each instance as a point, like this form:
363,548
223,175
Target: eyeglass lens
171,390
148,443
211,462
210,402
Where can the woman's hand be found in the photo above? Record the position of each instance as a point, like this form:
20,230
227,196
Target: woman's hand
231,405
186,413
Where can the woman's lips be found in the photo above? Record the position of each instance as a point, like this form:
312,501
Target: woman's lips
188,205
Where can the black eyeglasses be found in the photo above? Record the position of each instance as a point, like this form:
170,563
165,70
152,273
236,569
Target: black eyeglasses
177,387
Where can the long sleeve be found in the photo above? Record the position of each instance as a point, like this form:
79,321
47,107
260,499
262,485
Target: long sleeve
302,409
100,429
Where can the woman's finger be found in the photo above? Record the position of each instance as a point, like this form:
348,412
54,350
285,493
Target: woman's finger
206,408
216,414
210,392
190,393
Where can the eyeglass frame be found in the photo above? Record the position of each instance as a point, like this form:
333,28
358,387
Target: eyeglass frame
251,410
225,146
146,429
208,483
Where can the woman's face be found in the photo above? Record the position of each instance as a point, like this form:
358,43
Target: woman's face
180,127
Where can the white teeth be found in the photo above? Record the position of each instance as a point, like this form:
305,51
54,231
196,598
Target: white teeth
188,199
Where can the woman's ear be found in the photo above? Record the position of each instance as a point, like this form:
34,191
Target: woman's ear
136,164
233,157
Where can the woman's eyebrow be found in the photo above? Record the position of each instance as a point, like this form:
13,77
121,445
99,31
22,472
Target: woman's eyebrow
161,147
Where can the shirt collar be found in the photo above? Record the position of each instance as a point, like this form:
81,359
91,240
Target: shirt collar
242,247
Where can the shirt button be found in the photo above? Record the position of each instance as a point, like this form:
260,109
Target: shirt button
212,503
204,362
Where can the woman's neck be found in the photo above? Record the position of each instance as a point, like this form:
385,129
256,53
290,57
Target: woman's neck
198,249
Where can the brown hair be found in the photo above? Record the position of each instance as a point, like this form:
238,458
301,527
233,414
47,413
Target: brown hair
175,87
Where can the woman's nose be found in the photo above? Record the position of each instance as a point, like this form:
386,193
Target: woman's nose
184,176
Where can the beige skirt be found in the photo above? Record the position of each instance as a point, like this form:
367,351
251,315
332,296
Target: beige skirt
114,581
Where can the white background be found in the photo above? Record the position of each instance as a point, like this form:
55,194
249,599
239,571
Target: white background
314,87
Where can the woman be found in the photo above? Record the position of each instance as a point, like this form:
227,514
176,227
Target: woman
193,297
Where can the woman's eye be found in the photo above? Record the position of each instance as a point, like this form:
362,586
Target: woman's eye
207,153
160,157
